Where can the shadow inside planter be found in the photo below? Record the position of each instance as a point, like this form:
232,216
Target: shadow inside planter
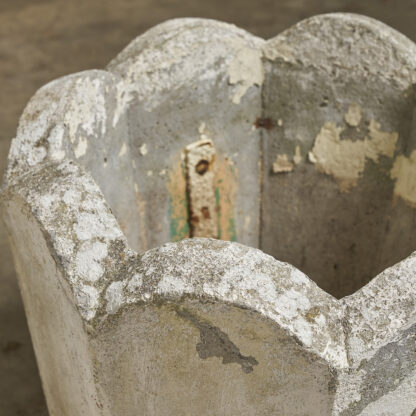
341,237
340,231
315,167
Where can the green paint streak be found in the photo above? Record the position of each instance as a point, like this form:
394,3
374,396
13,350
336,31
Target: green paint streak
231,230
178,232
217,204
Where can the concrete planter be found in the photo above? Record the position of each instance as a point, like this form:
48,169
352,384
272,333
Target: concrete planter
302,146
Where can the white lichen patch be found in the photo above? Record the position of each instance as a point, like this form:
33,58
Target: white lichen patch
404,171
55,143
245,70
171,284
291,302
36,155
87,299
114,296
303,330
282,164
72,196
300,278
88,260
46,202
345,159
353,115
86,109
91,225
135,283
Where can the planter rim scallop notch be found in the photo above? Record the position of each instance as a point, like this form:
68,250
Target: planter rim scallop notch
302,147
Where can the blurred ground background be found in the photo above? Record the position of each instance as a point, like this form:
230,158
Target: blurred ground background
44,39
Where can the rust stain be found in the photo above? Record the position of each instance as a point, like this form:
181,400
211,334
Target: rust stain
205,212
225,192
202,166
200,176
266,123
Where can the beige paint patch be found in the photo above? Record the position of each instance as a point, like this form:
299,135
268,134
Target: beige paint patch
227,188
404,170
311,157
298,156
201,167
245,70
345,159
143,149
282,164
353,115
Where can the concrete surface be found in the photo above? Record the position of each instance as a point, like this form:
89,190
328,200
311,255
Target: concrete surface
98,299
41,40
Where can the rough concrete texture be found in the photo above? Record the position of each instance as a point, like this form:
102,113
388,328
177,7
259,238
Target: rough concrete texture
311,167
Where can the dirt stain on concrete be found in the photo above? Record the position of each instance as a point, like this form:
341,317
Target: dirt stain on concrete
216,343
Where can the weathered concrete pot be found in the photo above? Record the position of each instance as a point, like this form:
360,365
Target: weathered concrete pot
302,146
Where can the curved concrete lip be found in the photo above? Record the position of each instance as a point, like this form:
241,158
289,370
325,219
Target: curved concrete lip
93,140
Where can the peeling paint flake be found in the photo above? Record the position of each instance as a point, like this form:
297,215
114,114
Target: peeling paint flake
245,70
298,156
282,164
404,170
345,159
